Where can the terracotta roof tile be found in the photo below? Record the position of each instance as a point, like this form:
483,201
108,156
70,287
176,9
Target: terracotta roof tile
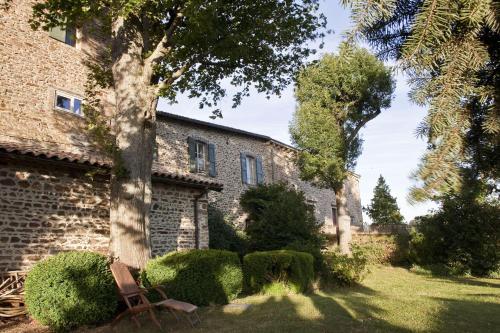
88,156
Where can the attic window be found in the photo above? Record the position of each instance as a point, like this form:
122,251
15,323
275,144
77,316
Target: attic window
67,35
68,103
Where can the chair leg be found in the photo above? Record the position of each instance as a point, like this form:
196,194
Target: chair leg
153,317
192,318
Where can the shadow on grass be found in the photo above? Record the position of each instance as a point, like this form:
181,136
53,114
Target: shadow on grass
352,311
438,275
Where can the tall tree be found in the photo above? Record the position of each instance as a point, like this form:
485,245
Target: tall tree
384,208
449,49
166,47
336,97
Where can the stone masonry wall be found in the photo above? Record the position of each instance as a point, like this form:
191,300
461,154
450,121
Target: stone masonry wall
351,189
278,164
32,66
47,209
173,154
172,219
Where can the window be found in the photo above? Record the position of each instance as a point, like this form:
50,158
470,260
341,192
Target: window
251,169
201,156
66,35
67,102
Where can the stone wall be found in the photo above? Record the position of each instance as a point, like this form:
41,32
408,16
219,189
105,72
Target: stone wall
46,209
173,154
278,164
354,207
172,218
34,65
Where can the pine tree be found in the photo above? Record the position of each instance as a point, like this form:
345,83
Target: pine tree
450,51
383,208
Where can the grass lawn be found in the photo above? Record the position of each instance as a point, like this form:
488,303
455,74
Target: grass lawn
389,300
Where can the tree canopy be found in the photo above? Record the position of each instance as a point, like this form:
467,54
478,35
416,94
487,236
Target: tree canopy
383,208
449,50
192,46
337,96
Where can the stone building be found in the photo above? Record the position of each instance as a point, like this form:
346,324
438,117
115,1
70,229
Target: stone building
54,183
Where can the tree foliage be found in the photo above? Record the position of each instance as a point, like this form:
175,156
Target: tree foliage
463,235
384,208
191,46
450,51
278,218
336,97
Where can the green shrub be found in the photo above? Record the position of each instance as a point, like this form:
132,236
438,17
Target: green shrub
265,272
343,269
280,218
463,235
200,277
223,235
384,249
71,289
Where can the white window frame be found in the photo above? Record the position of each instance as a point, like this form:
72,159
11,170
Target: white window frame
251,163
201,157
72,102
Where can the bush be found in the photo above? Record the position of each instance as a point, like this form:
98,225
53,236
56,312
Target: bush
463,235
384,249
223,235
266,271
343,269
200,277
71,289
279,218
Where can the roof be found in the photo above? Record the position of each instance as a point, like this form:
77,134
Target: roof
206,124
93,158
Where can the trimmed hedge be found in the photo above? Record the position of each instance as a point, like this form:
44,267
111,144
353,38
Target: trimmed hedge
71,289
292,269
200,277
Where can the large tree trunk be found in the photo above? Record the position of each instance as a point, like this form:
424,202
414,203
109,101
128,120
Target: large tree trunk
344,221
131,190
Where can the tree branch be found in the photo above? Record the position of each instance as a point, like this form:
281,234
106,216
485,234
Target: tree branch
360,125
165,44
175,75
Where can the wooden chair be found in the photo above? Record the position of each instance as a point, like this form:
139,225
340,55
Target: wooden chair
136,301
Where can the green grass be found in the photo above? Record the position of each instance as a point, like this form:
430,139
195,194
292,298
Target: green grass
389,300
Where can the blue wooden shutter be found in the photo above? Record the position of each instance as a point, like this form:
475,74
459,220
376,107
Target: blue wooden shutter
212,172
243,161
260,170
192,154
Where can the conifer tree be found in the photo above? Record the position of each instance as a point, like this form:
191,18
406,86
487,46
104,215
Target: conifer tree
450,51
383,208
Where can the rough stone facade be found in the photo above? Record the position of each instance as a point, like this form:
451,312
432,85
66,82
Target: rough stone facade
32,67
46,209
278,161
172,216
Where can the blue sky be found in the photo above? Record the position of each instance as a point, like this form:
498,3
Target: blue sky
390,148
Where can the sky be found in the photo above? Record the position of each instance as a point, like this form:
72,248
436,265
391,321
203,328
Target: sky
390,146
